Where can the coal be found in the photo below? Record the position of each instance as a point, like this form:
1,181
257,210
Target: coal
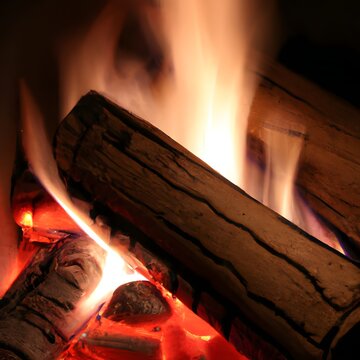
137,301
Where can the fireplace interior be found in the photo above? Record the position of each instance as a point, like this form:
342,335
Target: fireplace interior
198,198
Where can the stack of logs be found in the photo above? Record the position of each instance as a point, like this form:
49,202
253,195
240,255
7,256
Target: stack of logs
42,312
243,268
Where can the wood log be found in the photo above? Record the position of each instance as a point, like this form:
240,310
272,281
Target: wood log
40,305
329,169
302,294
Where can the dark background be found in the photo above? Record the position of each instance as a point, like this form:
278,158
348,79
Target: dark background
321,40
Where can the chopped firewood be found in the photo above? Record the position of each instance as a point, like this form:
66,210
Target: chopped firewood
297,291
39,307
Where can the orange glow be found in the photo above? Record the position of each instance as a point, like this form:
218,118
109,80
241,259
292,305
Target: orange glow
182,335
202,100
116,270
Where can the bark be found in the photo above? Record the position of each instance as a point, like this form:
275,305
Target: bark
40,305
301,294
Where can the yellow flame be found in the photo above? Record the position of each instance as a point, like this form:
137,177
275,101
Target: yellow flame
116,271
203,94
27,219
202,99
114,274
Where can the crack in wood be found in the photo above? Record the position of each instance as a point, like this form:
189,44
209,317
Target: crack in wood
301,268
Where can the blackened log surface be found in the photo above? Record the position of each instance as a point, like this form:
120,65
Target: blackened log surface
136,301
39,307
297,290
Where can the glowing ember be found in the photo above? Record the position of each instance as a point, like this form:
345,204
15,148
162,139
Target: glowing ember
201,98
182,335
26,219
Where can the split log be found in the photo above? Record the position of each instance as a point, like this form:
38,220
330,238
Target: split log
39,307
329,169
303,295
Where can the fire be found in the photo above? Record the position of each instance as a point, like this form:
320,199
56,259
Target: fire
116,271
27,219
181,334
203,90
210,88
200,95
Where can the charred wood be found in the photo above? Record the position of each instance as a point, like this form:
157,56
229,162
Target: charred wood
39,307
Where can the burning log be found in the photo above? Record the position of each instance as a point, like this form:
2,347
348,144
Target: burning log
227,247
142,348
329,169
39,308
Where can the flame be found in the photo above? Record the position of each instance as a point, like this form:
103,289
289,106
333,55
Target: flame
116,271
114,274
284,144
208,56
203,92
199,93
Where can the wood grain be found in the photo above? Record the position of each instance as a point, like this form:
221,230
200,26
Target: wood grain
329,169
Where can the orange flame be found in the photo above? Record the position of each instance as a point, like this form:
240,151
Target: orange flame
39,154
201,97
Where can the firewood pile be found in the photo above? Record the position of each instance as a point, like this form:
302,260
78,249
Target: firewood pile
270,289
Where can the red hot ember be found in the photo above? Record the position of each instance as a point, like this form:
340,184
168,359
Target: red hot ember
144,322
